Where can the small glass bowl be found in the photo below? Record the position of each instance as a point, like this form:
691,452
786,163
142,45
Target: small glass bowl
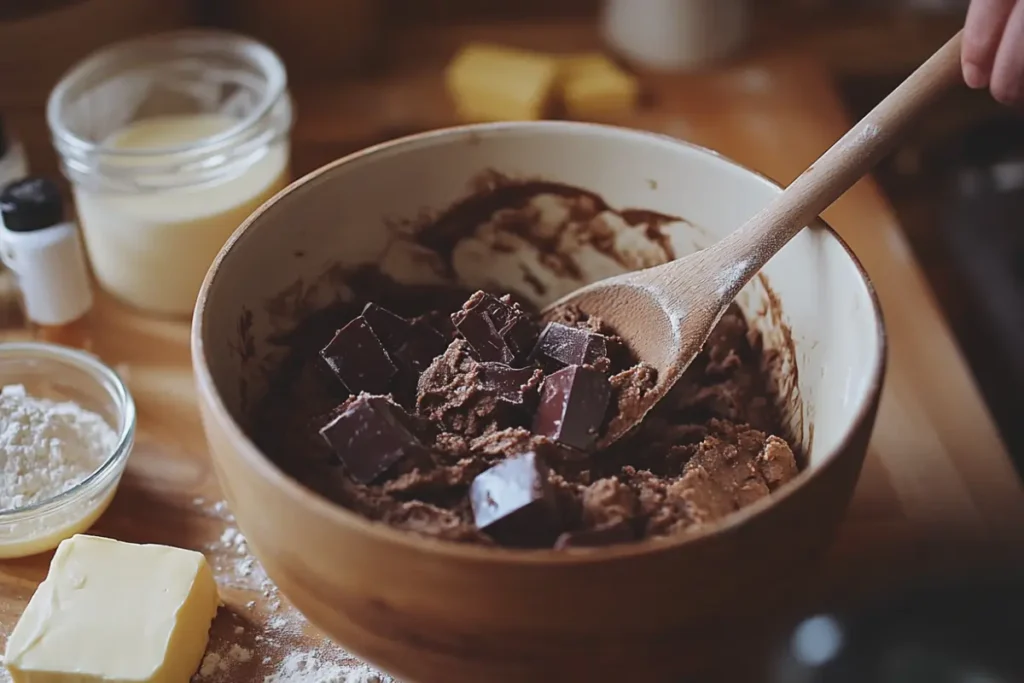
63,374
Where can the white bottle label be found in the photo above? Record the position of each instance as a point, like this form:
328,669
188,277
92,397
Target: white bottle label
51,272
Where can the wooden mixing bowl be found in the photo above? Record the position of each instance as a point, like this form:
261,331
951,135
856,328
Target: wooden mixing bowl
435,612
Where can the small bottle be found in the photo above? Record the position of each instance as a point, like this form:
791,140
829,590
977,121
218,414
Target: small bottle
12,167
45,253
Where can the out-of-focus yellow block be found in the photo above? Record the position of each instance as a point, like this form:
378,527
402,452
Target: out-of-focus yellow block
492,83
593,88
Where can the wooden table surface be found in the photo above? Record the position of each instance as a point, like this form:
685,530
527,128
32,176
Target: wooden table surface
938,495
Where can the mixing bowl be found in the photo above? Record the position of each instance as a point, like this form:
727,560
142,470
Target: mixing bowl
429,611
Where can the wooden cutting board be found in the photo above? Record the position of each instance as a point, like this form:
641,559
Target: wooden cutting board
938,494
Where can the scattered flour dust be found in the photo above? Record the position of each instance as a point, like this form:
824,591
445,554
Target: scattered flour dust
300,667
47,447
260,637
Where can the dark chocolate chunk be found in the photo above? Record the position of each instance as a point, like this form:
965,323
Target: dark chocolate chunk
392,330
622,532
370,436
477,328
497,330
422,345
514,503
507,383
500,312
572,406
570,345
441,322
358,358
411,345
519,335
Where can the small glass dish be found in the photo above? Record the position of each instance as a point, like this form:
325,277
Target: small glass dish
63,374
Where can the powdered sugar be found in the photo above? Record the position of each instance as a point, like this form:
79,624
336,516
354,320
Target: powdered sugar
258,636
47,447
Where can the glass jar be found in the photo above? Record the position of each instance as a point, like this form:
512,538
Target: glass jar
170,142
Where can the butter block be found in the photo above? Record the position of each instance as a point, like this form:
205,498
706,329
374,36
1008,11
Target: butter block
593,88
493,83
112,612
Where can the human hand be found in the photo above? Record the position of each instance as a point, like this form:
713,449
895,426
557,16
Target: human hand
993,49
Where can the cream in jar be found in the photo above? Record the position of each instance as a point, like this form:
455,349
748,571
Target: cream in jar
152,249
170,142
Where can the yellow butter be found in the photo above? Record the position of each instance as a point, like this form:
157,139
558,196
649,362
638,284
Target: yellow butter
492,83
112,612
593,88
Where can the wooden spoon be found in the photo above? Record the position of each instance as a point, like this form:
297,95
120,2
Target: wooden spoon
666,313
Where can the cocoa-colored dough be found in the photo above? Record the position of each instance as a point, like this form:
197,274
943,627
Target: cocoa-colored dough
714,445
450,396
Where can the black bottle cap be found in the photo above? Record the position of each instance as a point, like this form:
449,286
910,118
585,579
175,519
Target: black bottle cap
31,204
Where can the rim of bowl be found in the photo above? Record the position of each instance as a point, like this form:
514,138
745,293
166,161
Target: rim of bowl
102,374
265,467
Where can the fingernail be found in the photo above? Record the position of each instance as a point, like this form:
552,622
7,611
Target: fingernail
973,76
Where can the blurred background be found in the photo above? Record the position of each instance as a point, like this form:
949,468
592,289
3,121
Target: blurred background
365,71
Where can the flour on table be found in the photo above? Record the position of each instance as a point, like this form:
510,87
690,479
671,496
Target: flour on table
47,447
215,663
267,639
306,667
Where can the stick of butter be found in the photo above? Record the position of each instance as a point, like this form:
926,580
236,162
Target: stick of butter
491,83
594,88
112,612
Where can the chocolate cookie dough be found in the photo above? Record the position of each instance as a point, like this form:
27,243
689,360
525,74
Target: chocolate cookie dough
477,423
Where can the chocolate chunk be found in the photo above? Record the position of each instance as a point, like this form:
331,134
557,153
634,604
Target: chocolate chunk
422,345
497,330
570,345
483,337
506,383
514,503
573,402
621,532
392,329
414,343
500,312
358,358
370,436
411,345
519,334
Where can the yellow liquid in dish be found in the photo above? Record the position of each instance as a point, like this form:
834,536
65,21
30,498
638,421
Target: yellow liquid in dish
152,249
31,537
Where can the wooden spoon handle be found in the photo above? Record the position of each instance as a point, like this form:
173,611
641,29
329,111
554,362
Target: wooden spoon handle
839,168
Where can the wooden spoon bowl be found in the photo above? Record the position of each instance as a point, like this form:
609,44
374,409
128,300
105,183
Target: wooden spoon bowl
666,313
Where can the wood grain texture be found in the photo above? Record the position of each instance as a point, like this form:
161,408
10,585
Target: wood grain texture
836,36
37,48
314,38
937,494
